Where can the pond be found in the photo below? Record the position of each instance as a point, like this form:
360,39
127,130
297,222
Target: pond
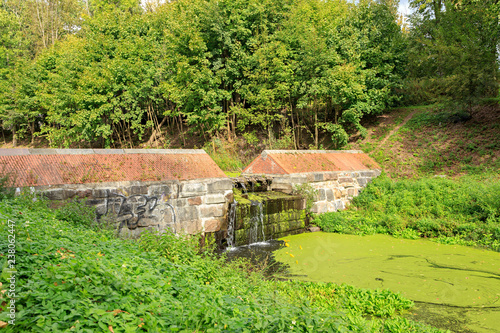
454,287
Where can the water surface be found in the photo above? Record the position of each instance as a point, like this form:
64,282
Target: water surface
454,287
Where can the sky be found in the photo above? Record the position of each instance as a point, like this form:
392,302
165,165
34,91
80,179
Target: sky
404,8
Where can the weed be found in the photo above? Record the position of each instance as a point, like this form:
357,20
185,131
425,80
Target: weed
6,186
77,213
307,192
429,207
72,278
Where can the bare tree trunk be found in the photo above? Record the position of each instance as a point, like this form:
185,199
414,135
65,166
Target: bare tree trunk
32,130
156,133
55,30
86,2
14,136
293,124
228,125
115,129
298,129
40,23
181,131
269,131
316,134
203,132
124,133
237,102
129,136
234,124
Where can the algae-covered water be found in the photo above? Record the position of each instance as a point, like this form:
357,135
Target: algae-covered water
454,287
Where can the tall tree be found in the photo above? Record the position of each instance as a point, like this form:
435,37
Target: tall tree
454,48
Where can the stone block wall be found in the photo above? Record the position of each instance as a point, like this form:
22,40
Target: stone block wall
270,216
131,207
334,189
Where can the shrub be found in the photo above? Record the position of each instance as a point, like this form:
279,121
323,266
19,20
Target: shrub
431,207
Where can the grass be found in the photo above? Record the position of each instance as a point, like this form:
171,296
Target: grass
437,140
464,211
232,174
232,157
74,277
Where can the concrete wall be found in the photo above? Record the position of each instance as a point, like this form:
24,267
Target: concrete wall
131,207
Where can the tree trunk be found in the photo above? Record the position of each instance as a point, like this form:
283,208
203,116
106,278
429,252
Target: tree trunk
228,121
233,120
269,132
293,128
182,131
156,132
40,24
14,136
32,130
298,129
316,134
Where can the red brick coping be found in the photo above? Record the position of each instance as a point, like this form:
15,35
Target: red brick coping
281,162
42,167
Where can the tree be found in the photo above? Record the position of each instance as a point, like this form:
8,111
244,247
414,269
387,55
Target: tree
454,47
348,63
16,109
102,87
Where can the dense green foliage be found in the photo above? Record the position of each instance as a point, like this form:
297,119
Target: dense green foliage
122,75
126,73
464,211
453,51
72,278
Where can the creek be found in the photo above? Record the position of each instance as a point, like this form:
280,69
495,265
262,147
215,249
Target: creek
454,287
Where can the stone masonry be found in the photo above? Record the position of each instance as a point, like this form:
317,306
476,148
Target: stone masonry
132,190
337,176
334,189
131,207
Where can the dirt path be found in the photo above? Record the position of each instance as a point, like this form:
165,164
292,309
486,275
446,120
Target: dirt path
391,133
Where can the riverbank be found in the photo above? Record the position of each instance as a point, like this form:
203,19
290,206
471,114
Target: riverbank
462,211
74,277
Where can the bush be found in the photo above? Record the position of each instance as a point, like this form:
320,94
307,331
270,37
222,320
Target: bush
432,207
77,213
6,189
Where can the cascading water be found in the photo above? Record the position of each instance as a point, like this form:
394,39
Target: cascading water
259,217
257,232
231,224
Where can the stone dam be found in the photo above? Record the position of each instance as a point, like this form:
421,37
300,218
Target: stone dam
183,190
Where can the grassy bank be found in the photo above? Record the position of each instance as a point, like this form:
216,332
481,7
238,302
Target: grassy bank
460,211
433,140
72,277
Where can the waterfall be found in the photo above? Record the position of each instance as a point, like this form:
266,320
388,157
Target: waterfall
256,218
256,232
231,224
